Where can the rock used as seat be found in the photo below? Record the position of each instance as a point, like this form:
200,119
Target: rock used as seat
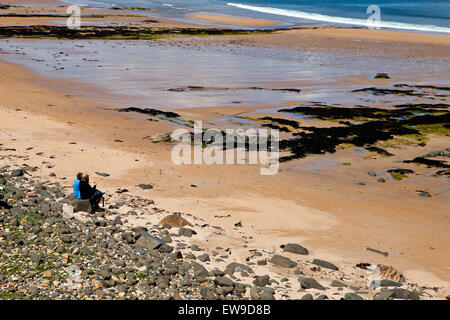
81,205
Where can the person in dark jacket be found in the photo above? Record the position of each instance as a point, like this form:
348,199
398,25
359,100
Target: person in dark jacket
90,193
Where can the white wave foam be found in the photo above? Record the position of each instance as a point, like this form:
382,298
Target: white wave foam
341,20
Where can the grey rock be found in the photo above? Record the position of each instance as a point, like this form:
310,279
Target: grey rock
261,281
66,238
148,241
424,193
255,293
324,264
385,283
190,256
103,174
36,258
307,296
17,173
105,274
337,284
384,295
186,232
352,296
165,248
432,154
283,262
199,270
223,281
81,205
384,253
267,293
310,283
399,293
261,262
145,186
295,248
204,257
232,267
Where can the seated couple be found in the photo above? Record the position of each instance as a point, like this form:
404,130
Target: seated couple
82,190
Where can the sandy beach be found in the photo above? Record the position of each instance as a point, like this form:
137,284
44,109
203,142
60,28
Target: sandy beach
325,202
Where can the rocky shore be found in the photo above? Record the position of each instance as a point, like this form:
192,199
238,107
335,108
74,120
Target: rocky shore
48,251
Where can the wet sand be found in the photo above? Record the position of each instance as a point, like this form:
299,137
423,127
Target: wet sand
237,21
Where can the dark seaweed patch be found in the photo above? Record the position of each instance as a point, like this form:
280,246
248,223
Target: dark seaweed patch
113,32
200,88
385,126
152,112
335,113
423,106
422,87
428,162
379,150
443,173
400,171
292,123
378,91
276,127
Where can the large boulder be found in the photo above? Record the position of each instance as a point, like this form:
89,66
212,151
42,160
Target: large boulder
175,221
81,205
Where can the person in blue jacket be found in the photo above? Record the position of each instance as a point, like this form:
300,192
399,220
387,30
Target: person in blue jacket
76,186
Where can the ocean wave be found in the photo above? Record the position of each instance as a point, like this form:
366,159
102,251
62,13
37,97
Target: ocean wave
342,20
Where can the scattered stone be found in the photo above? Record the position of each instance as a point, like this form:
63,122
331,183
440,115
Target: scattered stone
295,248
352,296
82,205
385,283
337,284
307,296
223,281
424,193
382,76
145,186
384,253
186,232
148,241
103,174
283,262
17,173
324,264
310,283
261,281
399,293
204,257
261,262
